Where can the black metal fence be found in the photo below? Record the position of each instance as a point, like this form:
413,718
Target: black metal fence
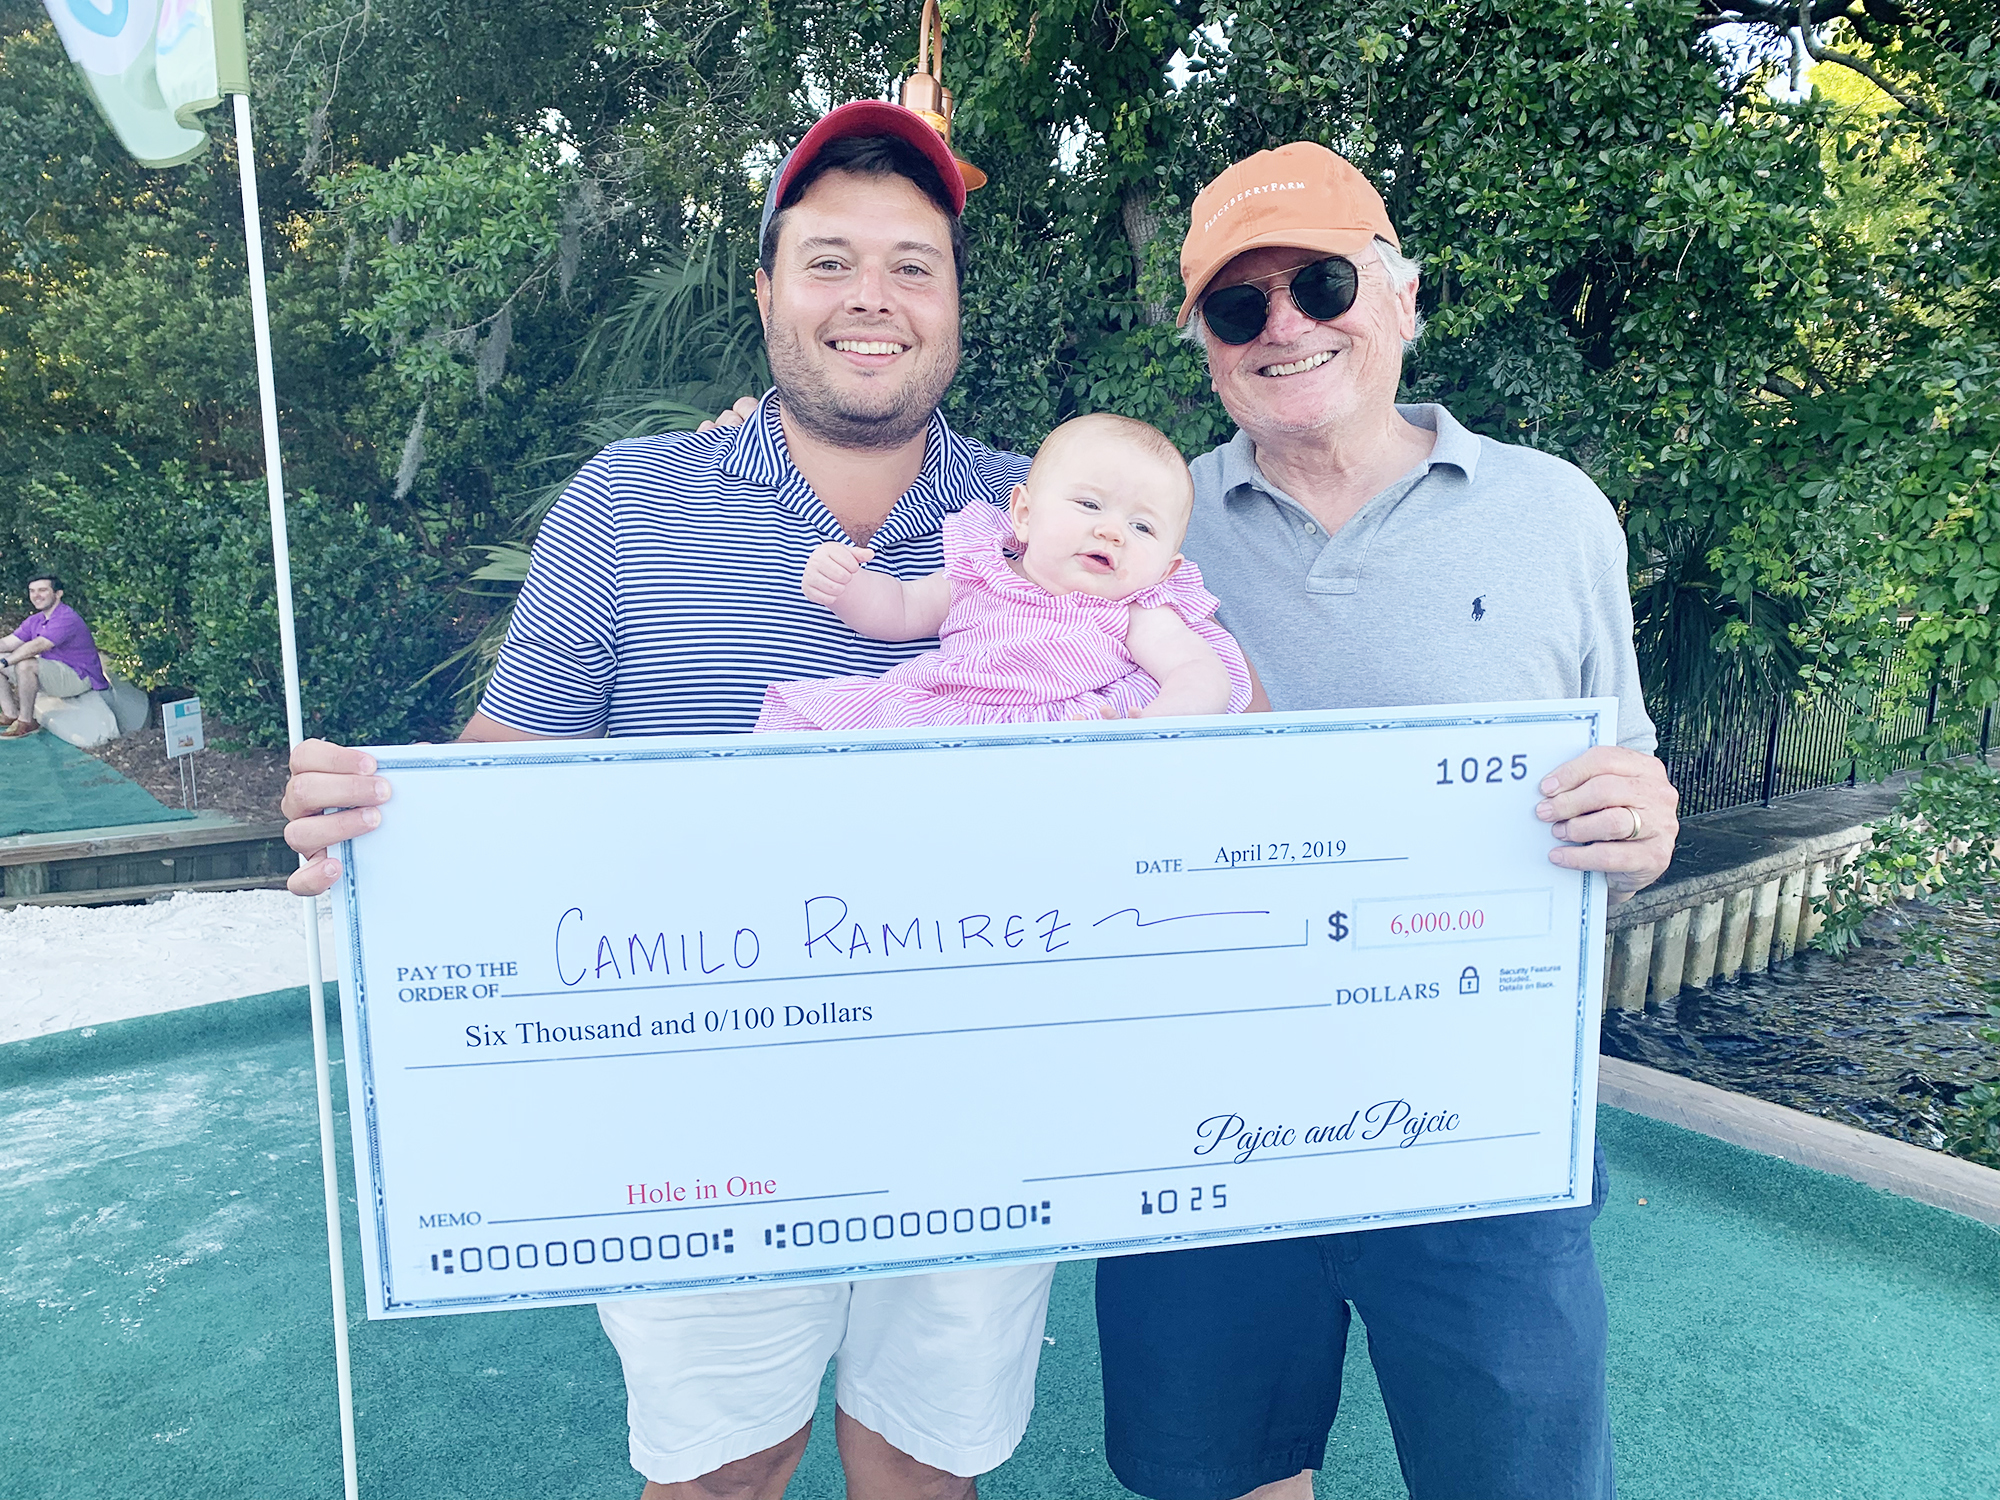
1750,743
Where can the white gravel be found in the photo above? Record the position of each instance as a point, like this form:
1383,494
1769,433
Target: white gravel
68,966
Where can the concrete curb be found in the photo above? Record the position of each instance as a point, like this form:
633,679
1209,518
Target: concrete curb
1824,1145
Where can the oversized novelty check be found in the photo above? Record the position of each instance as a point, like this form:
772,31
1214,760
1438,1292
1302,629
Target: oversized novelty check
643,1016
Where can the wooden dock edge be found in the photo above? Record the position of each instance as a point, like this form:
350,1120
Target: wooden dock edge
139,863
1946,1182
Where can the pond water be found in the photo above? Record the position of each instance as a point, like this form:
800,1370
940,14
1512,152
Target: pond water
1879,1039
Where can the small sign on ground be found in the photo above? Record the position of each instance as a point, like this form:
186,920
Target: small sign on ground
183,725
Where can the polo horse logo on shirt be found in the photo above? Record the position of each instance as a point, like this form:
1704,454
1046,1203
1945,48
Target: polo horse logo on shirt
1479,608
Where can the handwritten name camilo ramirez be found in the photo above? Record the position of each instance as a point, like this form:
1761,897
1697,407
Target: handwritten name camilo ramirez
831,931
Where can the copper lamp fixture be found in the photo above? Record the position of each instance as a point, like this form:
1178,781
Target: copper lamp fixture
924,90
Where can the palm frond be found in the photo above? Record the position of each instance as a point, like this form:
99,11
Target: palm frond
506,563
1687,624
690,319
684,344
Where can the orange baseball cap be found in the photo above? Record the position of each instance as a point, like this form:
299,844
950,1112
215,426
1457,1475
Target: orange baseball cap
1301,196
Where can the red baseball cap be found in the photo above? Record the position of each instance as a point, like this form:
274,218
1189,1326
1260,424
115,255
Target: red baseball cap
872,117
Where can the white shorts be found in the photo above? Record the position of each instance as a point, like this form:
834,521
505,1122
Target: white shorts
942,1365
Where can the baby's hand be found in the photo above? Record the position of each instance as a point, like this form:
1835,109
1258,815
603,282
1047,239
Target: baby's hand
830,569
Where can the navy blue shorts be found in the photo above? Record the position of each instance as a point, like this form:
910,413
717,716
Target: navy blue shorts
1222,1366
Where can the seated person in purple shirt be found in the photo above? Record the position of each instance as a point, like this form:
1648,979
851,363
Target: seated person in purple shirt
49,652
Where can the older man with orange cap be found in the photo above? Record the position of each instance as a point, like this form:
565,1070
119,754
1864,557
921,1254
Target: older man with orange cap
1371,555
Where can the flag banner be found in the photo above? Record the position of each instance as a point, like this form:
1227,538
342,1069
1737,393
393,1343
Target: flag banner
200,55
153,65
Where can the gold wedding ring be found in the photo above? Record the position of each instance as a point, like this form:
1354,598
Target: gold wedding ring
1637,826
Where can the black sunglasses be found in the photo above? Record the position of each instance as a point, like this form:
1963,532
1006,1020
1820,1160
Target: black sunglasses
1323,290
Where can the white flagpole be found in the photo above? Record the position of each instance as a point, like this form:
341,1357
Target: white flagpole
274,480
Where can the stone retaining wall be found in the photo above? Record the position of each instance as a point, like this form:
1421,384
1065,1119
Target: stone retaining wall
1692,933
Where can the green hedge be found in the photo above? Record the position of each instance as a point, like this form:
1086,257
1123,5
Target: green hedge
172,569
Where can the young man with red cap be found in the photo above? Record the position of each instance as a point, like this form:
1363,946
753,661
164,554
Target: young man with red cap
1375,555
663,597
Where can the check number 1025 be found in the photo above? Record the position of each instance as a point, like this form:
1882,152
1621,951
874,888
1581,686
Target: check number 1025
1171,1201
1493,770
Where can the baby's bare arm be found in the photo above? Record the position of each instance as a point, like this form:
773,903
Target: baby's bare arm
874,604
1191,676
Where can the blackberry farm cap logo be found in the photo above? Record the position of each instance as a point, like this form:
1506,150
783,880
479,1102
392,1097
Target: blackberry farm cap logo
1269,187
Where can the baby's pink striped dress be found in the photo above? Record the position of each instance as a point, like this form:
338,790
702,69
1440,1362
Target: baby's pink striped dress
1009,652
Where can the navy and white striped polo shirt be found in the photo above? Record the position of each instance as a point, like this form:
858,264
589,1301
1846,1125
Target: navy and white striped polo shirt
663,596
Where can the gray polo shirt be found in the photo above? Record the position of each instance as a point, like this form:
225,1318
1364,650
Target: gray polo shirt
1490,573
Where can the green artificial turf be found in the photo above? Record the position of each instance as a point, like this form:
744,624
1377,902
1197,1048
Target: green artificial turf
49,786
163,1327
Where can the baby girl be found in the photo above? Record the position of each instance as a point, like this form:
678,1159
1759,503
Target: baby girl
1076,604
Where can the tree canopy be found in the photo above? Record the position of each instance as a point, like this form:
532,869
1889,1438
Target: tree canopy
1761,317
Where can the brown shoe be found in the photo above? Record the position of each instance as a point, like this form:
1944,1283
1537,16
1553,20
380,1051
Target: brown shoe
20,729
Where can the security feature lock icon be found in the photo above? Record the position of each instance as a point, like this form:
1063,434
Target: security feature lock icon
1468,981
